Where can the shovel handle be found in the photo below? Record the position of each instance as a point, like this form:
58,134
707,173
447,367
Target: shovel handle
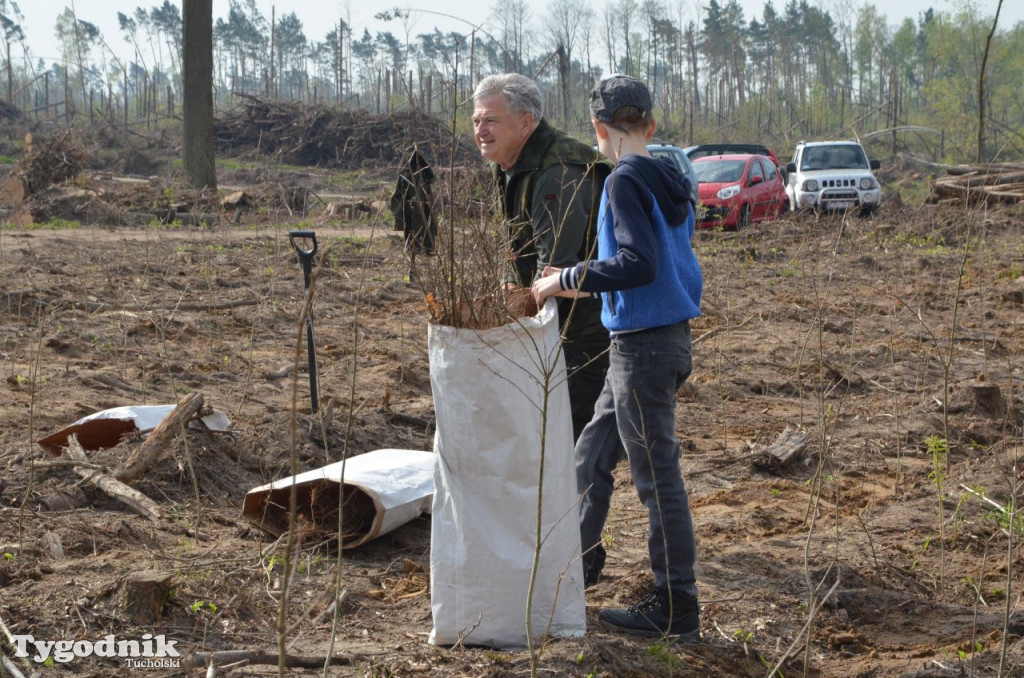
295,236
306,258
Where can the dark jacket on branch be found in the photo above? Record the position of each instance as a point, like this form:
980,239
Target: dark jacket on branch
412,203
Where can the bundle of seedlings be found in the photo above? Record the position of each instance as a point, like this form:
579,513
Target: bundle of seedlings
464,278
465,281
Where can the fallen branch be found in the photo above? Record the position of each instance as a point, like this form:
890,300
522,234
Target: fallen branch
712,332
203,659
129,496
10,668
158,443
7,664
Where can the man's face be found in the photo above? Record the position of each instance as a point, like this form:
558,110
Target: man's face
500,134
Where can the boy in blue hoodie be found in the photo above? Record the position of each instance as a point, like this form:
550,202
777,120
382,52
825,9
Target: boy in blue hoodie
650,283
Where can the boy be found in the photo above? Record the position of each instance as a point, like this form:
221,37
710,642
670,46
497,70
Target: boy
651,283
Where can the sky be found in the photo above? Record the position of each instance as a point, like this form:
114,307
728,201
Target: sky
319,16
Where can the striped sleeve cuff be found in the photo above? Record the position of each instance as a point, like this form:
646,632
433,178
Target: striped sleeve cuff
569,279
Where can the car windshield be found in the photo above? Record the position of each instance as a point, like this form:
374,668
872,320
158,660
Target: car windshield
833,157
719,171
675,155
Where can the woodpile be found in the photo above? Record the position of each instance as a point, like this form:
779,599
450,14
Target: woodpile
982,183
324,136
48,161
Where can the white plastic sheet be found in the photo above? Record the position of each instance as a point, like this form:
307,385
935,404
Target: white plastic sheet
384,489
490,391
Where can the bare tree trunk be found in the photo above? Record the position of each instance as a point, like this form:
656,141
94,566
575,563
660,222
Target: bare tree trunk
563,79
197,103
272,90
981,86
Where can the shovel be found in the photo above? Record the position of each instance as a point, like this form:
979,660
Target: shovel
298,239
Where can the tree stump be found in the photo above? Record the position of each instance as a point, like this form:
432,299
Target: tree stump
144,595
989,400
788,448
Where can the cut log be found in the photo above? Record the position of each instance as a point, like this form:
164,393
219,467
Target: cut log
236,199
129,496
787,448
158,444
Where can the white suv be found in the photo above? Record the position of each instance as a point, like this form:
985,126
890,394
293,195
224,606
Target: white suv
832,176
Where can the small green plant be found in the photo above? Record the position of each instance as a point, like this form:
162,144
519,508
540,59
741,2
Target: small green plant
8,556
743,635
776,492
201,604
53,224
500,658
1007,518
938,450
62,224
978,647
310,563
665,653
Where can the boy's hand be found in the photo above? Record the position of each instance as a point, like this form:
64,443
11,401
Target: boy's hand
546,286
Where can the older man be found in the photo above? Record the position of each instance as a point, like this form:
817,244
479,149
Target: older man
550,185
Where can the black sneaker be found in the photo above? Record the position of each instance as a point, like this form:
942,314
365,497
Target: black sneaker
593,574
650,617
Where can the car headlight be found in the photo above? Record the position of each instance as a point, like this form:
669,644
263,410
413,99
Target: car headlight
867,183
728,192
811,185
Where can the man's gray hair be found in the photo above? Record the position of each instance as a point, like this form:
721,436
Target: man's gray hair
521,94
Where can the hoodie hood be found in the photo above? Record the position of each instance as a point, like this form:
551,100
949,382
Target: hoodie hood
666,182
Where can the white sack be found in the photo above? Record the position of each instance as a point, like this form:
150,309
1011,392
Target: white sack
105,429
489,398
384,490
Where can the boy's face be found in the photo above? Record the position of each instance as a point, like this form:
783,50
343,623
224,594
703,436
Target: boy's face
500,134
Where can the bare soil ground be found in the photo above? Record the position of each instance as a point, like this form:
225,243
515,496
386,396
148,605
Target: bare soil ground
871,554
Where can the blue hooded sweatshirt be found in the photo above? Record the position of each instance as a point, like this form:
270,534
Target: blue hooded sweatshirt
646,269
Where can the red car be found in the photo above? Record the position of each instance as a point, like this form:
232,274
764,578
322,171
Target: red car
738,190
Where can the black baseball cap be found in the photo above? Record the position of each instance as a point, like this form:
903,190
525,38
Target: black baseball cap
617,91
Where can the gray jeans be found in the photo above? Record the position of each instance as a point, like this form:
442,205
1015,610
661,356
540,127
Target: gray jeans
635,417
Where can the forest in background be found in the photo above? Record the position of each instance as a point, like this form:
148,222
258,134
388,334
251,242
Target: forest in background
797,71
